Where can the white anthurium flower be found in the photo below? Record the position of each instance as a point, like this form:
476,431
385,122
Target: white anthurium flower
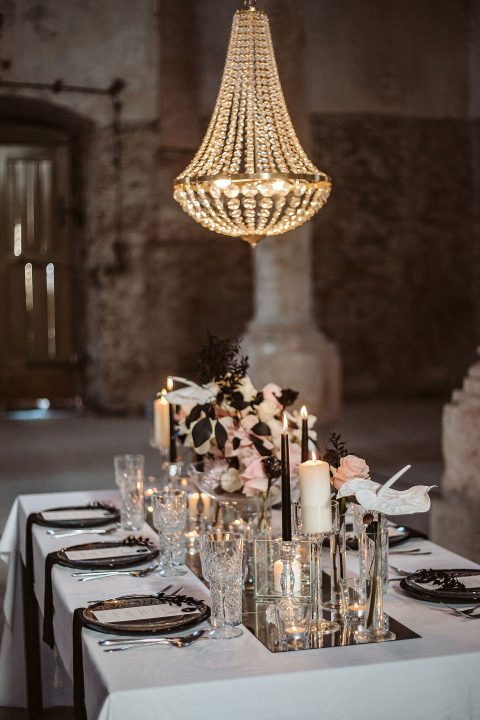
192,393
374,497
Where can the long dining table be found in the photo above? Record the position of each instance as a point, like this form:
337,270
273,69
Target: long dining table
433,676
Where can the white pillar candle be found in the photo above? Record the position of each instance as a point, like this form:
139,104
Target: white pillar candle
192,502
277,575
161,421
315,496
317,519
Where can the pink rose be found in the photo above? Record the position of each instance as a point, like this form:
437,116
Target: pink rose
253,477
272,392
350,467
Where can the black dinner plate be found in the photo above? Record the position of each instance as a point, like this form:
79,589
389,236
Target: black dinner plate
448,588
146,552
111,514
191,611
398,535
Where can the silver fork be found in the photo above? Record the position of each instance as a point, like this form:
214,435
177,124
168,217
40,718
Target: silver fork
467,613
414,551
91,531
181,641
133,596
403,573
132,573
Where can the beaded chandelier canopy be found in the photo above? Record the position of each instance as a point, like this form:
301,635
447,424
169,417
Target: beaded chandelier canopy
251,177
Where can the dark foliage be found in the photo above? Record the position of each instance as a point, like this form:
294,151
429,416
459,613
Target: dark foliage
219,360
335,450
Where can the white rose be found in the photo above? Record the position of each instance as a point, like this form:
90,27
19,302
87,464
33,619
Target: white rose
267,410
245,386
230,480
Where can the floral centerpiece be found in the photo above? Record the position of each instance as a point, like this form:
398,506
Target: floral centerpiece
234,428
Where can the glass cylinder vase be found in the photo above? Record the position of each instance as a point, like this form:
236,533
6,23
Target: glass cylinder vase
338,565
373,552
373,628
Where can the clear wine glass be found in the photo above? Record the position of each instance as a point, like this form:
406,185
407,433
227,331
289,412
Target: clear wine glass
169,517
221,554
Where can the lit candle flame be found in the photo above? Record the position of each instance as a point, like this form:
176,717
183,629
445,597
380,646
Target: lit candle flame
304,412
285,423
169,384
314,456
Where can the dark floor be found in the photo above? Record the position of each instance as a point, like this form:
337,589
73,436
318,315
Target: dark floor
75,453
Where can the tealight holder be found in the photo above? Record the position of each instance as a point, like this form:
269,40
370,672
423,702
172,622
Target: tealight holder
269,555
319,624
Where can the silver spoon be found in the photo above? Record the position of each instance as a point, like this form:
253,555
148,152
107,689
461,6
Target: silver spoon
131,573
179,642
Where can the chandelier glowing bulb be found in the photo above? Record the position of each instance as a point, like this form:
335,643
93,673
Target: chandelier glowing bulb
251,177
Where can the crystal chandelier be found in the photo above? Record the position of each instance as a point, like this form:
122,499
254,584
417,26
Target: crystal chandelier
251,177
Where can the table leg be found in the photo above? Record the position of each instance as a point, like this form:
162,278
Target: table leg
33,670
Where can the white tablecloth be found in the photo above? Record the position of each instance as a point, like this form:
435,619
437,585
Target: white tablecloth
433,677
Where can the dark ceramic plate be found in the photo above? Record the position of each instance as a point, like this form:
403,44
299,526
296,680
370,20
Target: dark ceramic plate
180,611
145,551
398,535
441,585
109,515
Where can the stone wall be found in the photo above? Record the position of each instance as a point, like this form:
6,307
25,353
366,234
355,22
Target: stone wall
394,251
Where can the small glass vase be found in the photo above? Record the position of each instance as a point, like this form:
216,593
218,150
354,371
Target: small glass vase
374,627
373,551
338,565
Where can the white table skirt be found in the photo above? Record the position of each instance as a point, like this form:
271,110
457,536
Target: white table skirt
433,677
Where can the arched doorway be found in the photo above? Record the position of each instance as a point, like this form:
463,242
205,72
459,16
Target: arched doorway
40,258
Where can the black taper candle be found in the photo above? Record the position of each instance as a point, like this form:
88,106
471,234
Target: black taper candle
173,444
304,439
286,500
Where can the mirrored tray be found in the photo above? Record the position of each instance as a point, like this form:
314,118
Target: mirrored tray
109,514
145,551
149,614
443,585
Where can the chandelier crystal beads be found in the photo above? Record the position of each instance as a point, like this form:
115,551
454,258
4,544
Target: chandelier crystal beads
251,177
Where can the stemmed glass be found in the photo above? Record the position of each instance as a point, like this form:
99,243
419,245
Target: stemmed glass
319,624
221,554
169,517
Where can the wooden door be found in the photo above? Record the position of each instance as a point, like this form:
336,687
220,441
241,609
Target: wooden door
38,353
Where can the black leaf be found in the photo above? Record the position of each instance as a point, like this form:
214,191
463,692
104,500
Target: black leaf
193,415
220,435
237,401
261,447
236,443
288,397
201,432
261,428
258,399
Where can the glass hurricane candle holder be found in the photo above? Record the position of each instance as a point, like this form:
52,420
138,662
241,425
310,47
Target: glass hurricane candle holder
319,624
268,566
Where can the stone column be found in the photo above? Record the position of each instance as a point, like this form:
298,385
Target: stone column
454,517
283,342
